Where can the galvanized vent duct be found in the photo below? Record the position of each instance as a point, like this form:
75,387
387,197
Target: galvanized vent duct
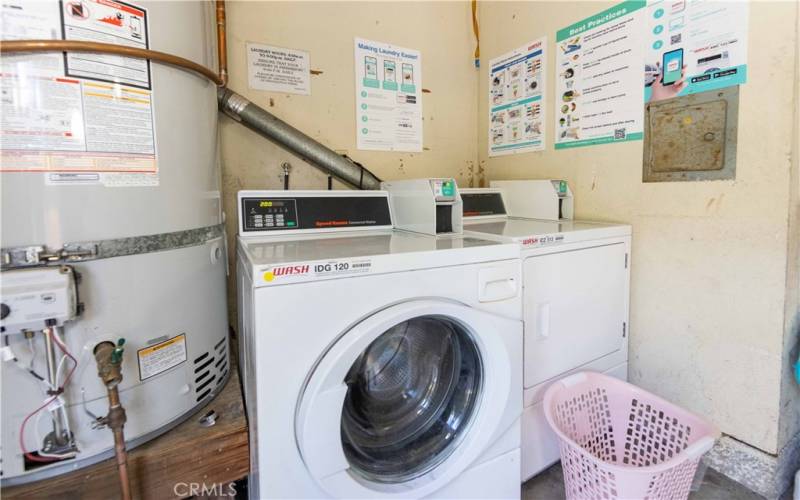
284,135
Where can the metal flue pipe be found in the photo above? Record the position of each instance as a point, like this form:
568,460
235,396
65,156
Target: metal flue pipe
284,135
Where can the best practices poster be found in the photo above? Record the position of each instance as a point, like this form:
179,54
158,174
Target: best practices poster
694,46
516,107
598,78
388,97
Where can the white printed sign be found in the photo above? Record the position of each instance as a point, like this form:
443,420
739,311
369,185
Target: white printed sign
107,21
83,113
388,97
277,69
516,107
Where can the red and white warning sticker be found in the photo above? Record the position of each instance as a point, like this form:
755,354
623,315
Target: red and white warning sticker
83,113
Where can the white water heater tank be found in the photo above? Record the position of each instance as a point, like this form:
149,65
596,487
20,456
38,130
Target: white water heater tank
109,166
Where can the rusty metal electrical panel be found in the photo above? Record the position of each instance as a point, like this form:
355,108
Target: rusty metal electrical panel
691,138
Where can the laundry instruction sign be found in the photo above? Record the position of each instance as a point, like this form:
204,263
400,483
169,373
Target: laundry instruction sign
516,106
598,78
388,97
694,46
278,69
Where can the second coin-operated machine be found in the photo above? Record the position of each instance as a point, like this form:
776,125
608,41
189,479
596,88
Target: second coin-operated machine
549,199
428,206
575,278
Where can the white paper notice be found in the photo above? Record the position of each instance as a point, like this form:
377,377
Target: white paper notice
598,81
83,113
388,97
278,69
516,107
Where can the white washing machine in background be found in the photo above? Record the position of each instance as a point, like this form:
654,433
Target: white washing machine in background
575,278
376,363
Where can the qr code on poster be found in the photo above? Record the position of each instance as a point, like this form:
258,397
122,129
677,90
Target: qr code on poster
673,39
619,133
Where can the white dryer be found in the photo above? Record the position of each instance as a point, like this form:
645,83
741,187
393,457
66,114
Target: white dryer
375,363
575,278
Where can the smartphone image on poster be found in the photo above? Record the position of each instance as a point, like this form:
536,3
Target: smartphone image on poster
389,71
672,66
370,67
408,74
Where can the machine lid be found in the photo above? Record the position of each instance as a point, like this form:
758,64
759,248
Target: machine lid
532,231
406,400
334,255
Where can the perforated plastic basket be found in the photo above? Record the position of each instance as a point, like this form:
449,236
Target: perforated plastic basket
619,441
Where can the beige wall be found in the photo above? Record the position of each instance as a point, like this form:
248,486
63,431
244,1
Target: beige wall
709,262
790,390
442,31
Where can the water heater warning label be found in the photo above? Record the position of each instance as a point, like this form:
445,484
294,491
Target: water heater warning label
161,357
78,113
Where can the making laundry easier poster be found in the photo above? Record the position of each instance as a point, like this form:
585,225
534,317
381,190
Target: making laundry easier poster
388,97
516,107
598,78
694,46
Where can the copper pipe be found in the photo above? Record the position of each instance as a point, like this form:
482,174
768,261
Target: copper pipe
16,46
116,416
222,50
109,368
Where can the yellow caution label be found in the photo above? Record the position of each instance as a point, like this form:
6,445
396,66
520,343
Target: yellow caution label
160,357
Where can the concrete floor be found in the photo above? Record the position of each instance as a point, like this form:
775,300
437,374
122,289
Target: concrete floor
549,486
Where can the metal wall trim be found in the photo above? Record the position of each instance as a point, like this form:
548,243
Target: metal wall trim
38,255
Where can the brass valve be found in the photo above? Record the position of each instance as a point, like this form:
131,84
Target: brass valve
109,361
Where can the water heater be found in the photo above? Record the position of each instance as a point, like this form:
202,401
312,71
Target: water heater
111,229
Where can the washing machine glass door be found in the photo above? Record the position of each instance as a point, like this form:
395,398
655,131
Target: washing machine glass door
406,399
410,396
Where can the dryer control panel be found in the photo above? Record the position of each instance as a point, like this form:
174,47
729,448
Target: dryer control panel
268,212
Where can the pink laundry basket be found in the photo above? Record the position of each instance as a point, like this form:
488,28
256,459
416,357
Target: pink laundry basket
620,442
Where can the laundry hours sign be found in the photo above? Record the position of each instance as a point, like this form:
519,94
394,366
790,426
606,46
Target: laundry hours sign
278,69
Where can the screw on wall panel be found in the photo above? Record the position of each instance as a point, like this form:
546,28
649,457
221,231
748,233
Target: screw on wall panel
709,136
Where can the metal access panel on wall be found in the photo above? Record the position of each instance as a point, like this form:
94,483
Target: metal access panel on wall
692,138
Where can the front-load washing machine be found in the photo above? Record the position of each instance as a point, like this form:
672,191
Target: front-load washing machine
575,279
375,363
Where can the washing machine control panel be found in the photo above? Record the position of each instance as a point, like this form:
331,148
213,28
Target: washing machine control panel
270,213
263,214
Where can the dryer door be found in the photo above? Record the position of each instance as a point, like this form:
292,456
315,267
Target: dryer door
408,398
575,307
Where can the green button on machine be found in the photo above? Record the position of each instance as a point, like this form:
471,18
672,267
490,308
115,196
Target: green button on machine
448,188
